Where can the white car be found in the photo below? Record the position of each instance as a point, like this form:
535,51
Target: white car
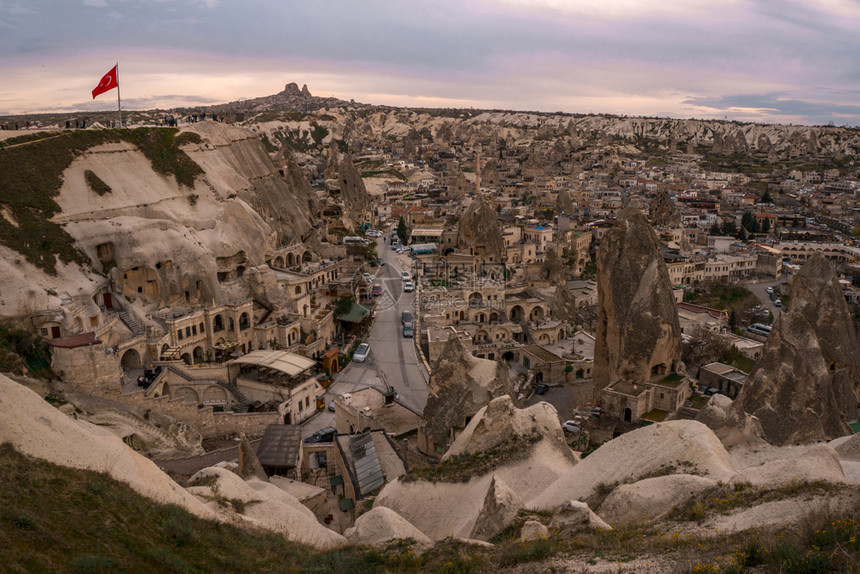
408,287
367,277
570,426
769,289
361,353
405,276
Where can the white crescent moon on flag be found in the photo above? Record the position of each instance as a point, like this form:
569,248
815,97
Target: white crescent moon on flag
108,80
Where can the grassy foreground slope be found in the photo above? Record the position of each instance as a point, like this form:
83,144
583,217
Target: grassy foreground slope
58,519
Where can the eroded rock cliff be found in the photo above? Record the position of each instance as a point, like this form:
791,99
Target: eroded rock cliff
638,335
804,386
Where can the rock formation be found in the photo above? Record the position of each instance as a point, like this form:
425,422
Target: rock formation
460,386
500,420
552,269
501,506
262,504
525,449
662,211
682,446
381,525
563,203
480,233
638,335
163,243
249,464
804,386
533,530
651,498
490,174
575,513
343,180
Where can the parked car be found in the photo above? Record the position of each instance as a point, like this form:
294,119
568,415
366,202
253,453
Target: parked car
408,287
541,389
361,353
570,426
323,435
406,317
777,303
376,291
769,289
407,330
331,405
367,277
322,460
405,276
380,262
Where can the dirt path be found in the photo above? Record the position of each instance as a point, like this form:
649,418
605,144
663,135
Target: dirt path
3,136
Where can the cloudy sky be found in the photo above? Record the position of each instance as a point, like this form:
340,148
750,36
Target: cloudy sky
786,61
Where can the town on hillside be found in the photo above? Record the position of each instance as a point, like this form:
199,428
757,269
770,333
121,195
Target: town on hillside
340,299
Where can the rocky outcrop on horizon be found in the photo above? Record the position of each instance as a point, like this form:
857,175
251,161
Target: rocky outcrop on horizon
638,335
728,137
804,387
291,99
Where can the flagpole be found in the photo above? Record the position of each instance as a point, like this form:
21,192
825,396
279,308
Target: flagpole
118,104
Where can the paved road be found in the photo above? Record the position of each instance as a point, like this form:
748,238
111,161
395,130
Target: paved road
390,352
760,290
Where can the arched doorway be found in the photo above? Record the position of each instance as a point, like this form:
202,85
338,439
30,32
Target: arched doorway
537,314
198,354
214,395
628,415
517,313
130,360
186,358
188,394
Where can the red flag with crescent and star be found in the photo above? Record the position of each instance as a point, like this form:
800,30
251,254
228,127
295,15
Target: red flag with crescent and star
108,83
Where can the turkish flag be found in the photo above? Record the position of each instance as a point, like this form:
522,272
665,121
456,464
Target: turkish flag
109,82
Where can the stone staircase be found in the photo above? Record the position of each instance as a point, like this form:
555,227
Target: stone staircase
527,333
132,323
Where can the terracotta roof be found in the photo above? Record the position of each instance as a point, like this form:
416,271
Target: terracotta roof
81,340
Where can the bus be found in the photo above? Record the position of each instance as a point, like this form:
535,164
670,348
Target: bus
423,248
354,240
759,329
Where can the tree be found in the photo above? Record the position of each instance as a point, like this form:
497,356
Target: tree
403,231
730,228
715,229
765,226
766,198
